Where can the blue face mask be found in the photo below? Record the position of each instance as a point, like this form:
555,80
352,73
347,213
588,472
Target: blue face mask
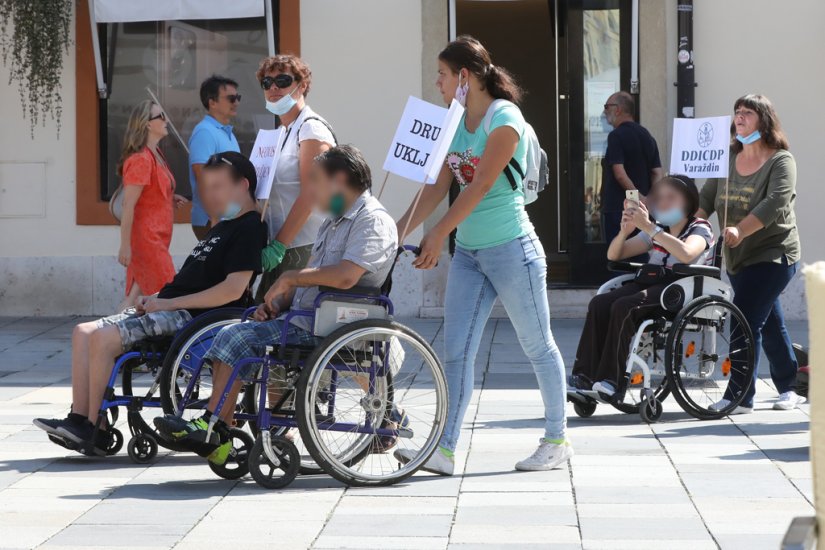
231,211
669,217
747,140
283,105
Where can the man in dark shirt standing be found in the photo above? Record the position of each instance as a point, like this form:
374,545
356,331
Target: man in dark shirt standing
218,273
631,161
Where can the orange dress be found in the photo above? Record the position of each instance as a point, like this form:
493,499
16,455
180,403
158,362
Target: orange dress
151,265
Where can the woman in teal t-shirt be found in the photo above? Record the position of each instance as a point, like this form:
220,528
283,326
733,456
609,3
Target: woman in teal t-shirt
498,254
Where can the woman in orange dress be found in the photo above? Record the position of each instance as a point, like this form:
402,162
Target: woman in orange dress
149,200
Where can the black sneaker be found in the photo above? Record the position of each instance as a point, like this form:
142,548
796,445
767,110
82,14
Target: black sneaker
79,434
579,382
49,425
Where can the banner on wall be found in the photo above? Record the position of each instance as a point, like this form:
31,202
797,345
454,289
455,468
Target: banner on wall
421,140
264,157
701,147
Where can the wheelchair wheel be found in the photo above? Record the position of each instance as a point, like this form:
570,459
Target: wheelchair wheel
269,474
365,375
141,380
236,466
117,441
183,367
709,354
631,402
142,448
585,409
650,410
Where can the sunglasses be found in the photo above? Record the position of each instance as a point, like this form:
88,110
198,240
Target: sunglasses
234,98
281,81
161,116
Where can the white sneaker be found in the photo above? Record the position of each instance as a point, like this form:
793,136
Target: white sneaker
439,463
605,388
546,457
721,404
788,400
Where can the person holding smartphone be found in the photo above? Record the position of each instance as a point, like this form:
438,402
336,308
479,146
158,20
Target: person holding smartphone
612,318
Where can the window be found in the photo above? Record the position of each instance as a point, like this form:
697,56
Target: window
171,58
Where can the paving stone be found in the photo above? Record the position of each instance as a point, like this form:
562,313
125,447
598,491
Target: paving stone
393,525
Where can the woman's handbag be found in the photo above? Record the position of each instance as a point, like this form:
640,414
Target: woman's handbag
116,204
653,274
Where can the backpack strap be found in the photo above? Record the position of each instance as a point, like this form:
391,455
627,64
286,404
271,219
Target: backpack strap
319,119
486,123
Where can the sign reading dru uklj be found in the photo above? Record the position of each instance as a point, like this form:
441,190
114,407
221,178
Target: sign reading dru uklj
421,140
701,147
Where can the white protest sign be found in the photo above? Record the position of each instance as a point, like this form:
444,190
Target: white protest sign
264,157
420,131
445,139
701,147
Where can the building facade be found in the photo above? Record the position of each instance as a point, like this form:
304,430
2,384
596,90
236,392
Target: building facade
58,247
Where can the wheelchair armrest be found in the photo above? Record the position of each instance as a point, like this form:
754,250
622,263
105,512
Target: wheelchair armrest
623,266
356,291
693,269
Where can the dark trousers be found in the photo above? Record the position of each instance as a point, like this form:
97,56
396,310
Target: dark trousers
612,320
756,290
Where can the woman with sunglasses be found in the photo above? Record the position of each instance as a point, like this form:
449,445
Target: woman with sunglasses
148,202
292,224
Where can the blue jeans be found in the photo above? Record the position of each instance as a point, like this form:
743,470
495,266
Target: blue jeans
515,272
756,290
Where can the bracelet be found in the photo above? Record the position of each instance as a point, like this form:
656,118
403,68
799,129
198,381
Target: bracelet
655,231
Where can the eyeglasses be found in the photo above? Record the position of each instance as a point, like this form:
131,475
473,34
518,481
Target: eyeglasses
161,115
218,158
281,81
233,98
609,105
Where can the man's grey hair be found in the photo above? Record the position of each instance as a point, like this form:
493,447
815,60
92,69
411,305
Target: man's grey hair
626,103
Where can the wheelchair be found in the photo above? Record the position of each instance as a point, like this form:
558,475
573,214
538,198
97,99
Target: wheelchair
696,347
370,386
141,371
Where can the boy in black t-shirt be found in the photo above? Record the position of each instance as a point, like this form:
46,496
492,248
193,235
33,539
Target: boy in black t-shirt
218,273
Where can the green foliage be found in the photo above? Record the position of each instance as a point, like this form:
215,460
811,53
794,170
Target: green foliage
34,38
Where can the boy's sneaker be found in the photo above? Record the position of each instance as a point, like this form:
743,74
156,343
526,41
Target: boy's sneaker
722,403
788,400
605,388
549,455
50,425
442,462
220,455
193,431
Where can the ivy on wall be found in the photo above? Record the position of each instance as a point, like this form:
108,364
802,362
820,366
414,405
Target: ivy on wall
34,40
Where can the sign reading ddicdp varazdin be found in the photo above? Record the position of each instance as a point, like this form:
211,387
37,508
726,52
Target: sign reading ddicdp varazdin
701,147
421,140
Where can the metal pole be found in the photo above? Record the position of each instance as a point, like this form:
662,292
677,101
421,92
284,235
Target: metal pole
102,89
634,48
270,27
685,74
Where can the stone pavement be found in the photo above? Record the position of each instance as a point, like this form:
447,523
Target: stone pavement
733,483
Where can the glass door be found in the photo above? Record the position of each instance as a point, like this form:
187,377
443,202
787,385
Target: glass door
598,52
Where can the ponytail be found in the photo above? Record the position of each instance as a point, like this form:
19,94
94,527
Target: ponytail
465,52
501,85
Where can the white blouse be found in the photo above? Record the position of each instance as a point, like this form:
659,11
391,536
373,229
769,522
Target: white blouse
287,183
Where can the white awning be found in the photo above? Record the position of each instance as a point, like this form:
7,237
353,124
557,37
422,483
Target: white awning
120,11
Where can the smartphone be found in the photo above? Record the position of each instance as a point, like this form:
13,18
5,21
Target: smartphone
632,195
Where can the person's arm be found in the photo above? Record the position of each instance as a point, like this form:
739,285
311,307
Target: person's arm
656,174
621,247
431,197
621,177
300,211
131,194
343,275
685,251
201,146
197,170
707,199
228,290
501,146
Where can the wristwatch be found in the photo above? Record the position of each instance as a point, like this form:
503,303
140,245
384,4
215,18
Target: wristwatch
655,231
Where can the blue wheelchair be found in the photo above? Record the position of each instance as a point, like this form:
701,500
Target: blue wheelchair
144,390
345,406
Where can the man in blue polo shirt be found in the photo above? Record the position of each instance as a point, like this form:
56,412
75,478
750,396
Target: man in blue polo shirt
212,135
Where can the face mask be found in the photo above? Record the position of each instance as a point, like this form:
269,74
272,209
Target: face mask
747,140
231,211
336,205
283,105
461,92
669,217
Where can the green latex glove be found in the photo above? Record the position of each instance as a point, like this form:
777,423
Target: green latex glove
272,255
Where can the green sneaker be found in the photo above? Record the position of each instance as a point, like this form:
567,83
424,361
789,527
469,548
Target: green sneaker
220,455
193,431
